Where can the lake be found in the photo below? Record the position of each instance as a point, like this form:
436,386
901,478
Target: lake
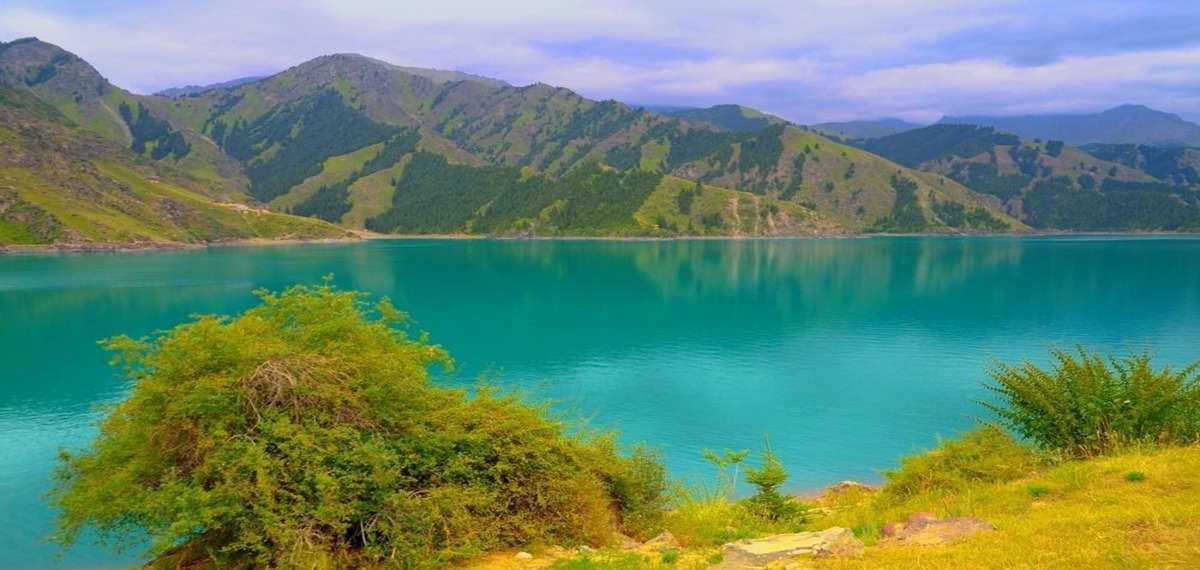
846,354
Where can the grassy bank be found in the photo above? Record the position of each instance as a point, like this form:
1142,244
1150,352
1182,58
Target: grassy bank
1138,508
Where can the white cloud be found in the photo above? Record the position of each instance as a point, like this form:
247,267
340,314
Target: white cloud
810,61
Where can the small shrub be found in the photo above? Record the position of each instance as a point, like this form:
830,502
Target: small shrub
1087,404
984,455
670,556
1135,476
768,502
1038,491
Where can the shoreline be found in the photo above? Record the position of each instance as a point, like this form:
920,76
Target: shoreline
359,236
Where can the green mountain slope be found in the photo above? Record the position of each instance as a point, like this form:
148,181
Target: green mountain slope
729,117
367,144
61,183
1052,185
1126,124
143,124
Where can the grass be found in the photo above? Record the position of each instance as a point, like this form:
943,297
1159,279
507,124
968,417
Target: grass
1084,514
663,204
372,195
1137,509
335,169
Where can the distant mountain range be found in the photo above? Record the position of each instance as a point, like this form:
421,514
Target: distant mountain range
197,89
866,129
1051,185
370,145
1126,124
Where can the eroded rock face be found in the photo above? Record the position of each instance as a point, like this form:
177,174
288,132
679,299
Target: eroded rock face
834,541
925,529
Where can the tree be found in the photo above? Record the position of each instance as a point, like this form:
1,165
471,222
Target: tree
305,432
768,502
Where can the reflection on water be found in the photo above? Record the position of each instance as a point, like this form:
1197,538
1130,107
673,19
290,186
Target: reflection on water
847,353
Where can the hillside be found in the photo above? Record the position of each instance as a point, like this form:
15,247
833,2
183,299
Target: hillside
1126,124
64,184
335,138
728,117
1051,185
865,129
371,121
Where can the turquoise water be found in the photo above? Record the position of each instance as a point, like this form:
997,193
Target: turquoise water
847,353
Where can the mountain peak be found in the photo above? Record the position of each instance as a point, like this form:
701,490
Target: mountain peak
359,61
1137,111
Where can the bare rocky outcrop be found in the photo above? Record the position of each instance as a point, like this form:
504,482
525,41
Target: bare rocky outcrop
833,541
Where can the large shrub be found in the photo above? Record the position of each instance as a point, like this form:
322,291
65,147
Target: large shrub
305,433
1086,404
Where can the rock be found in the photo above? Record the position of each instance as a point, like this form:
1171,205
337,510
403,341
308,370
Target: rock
925,529
662,541
524,556
834,541
624,541
847,486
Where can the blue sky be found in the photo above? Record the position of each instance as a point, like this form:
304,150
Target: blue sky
808,61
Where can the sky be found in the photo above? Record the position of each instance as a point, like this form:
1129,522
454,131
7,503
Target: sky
808,61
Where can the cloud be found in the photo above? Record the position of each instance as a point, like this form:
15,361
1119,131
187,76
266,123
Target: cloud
812,61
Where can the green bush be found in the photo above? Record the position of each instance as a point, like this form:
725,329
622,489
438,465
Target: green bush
1087,404
984,455
305,433
767,502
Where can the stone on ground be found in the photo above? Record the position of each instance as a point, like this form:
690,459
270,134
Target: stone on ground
834,541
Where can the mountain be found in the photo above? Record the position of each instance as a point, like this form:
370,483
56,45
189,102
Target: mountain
61,183
728,117
1054,186
336,137
197,89
367,144
865,129
1176,165
1126,124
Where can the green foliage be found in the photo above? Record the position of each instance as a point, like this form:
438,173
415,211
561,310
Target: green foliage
1135,476
304,134
1085,404
1054,148
331,202
147,129
911,148
956,215
305,433
1164,163
1027,160
906,215
1038,491
695,144
1056,204
623,156
434,196
762,150
767,502
684,201
985,177
983,455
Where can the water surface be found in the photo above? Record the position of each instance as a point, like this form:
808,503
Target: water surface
845,353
